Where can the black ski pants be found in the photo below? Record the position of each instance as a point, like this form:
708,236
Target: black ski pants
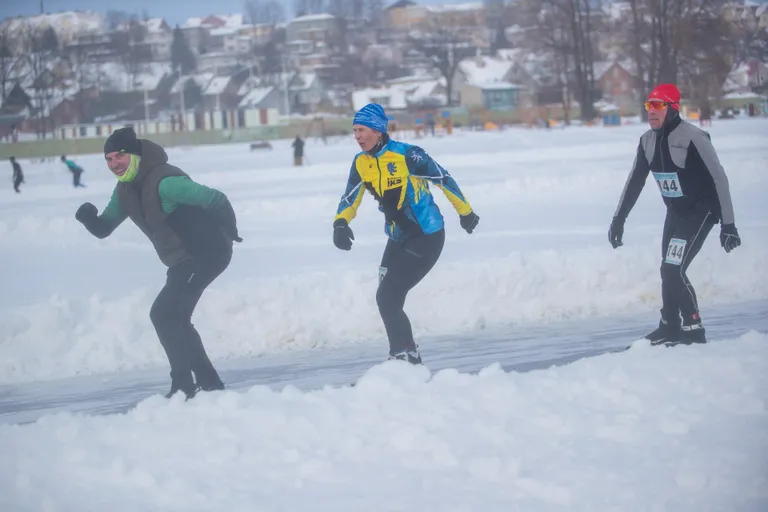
171,315
682,240
403,265
17,181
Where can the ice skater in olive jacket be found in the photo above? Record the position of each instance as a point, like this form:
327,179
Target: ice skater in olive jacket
192,228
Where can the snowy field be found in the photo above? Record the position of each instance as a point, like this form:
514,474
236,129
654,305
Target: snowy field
663,429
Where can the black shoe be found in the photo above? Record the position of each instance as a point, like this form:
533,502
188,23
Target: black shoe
214,386
666,332
411,355
693,333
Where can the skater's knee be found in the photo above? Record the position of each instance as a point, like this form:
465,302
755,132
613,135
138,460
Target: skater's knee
671,272
389,300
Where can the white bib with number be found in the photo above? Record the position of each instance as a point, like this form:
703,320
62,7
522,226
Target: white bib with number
675,251
669,184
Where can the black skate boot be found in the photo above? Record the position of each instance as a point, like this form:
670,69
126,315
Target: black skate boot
667,332
411,355
693,331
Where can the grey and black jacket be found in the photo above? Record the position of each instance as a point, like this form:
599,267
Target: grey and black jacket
686,169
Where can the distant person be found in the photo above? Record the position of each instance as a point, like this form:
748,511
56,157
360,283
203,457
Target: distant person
398,176
192,228
695,190
18,175
75,169
298,151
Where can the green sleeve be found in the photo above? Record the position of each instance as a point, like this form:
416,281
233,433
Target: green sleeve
176,191
113,215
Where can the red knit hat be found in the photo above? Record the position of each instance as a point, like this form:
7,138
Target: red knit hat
668,93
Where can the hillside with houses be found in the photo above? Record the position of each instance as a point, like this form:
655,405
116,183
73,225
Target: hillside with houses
527,59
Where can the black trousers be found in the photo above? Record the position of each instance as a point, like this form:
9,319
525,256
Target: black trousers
17,181
682,240
76,179
403,265
171,315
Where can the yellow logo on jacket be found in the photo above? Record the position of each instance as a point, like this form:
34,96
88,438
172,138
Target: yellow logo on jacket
389,171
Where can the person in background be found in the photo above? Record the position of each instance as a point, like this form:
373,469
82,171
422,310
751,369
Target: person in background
298,151
18,175
192,228
398,176
695,190
75,169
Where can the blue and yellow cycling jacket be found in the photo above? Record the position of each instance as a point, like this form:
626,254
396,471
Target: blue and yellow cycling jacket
398,176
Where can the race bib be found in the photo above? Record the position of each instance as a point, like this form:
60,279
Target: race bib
675,251
669,184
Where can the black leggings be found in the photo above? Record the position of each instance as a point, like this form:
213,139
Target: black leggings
681,242
403,265
171,314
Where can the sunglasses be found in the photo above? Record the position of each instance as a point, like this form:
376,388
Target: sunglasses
655,105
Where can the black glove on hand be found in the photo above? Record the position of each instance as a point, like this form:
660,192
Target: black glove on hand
469,221
729,237
86,213
616,232
342,235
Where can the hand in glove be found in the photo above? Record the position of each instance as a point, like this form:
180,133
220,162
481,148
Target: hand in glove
86,213
342,235
616,232
729,237
469,221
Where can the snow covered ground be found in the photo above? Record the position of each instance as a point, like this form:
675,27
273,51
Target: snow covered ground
536,284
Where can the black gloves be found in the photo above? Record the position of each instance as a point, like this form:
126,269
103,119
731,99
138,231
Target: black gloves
469,221
87,213
616,232
729,237
342,235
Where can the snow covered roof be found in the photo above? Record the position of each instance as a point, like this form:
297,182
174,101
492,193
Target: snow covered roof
313,17
471,6
223,31
230,21
399,95
484,70
64,23
217,85
155,24
255,96
496,86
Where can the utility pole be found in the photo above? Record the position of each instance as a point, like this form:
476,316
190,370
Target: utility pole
183,108
146,109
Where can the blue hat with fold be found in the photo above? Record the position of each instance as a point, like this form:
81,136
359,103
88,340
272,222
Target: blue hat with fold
373,116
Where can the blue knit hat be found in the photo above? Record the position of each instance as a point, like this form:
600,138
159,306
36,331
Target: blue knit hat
373,116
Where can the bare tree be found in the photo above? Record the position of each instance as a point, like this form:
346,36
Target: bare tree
304,7
445,47
264,12
133,53
681,41
42,44
9,61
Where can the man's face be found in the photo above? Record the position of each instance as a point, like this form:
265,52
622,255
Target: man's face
366,137
118,162
657,113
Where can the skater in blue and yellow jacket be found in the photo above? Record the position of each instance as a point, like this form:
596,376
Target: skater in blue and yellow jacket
398,176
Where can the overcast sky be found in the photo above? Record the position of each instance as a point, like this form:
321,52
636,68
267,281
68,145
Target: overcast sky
173,11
